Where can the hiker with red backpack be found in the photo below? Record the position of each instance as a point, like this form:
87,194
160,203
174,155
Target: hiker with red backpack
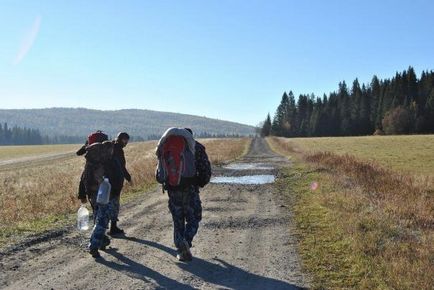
90,178
183,167
99,168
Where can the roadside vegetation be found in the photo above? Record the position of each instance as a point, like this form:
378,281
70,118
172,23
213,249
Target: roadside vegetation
12,152
361,223
43,196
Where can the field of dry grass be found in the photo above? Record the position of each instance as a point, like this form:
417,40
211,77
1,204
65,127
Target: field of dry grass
40,196
367,226
12,152
229,150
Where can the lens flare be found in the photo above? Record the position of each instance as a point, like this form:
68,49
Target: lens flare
28,40
314,186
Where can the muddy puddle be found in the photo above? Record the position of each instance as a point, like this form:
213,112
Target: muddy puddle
247,179
248,166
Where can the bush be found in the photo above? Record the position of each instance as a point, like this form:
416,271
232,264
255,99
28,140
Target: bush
396,121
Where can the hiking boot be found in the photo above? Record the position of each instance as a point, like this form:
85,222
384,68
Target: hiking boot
105,243
114,230
184,252
94,253
180,257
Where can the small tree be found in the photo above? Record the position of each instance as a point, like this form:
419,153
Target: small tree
397,121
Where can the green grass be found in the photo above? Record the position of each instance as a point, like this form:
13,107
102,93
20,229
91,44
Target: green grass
13,152
413,154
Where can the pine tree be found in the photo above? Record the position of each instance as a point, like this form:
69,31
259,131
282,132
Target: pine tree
291,117
365,127
355,102
266,127
429,108
302,121
375,102
412,90
344,107
279,125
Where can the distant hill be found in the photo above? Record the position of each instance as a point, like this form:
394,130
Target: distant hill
141,123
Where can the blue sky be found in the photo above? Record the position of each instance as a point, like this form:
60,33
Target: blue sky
226,59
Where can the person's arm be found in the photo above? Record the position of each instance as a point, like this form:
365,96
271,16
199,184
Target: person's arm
82,150
82,192
125,172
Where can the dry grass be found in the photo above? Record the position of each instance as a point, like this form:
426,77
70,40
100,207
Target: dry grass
384,221
33,198
230,149
12,152
402,195
30,197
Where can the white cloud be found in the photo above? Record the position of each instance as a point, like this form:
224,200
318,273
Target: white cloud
28,40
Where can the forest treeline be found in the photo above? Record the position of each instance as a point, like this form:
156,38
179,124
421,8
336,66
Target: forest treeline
26,136
403,104
144,123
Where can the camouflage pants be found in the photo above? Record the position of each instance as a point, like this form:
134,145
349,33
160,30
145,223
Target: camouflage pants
115,202
102,214
92,201
115,206
186,209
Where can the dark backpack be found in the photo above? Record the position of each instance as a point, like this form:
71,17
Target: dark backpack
97,137
176,164
203,166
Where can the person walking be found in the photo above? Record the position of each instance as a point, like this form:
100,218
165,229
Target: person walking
182,169
95,163
117,182
98,169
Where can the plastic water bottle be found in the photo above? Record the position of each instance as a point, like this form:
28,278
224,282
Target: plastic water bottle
104,192
83,218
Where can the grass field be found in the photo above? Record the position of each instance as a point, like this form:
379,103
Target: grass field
13,152
412,154
41,196
370,222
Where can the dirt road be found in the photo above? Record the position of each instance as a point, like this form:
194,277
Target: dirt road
245,242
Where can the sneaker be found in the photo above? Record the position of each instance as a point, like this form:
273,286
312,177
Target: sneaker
94,253
105,243
184,252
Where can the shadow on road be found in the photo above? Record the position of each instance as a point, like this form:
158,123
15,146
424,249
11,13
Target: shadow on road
141,272
219,273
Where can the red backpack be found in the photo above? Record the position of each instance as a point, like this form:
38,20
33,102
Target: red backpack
97,137
177,165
